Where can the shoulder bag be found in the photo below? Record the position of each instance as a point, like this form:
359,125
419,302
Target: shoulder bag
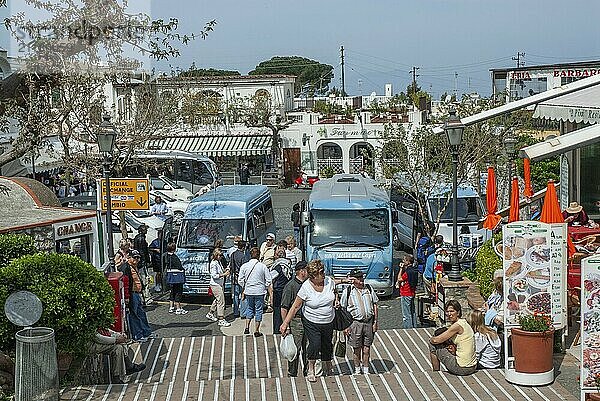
243,296
342,320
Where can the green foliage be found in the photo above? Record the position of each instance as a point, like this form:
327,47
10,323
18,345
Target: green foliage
486,262
327,172
193,71
310,74
76,298
535,323
542,170
13,246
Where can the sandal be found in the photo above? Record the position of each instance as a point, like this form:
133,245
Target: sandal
311,377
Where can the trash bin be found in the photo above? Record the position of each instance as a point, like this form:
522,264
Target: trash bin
36,368
116,281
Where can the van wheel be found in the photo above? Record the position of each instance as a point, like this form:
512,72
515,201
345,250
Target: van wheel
396,241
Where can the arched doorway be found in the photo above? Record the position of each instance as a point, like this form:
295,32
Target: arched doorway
362,156
329,159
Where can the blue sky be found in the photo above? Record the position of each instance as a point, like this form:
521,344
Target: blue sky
383,39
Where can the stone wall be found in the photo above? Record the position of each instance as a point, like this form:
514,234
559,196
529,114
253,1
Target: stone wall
43,237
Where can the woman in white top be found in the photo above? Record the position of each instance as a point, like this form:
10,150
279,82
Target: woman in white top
319,298
488,347
217,283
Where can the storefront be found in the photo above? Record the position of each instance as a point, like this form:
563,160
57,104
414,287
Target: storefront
76,238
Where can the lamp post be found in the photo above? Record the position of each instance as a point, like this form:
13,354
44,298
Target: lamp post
510,144
106,142
454,130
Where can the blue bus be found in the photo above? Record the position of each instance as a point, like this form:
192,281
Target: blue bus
222,213
349,226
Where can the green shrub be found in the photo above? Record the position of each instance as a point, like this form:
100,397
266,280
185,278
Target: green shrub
535,323
486,262
327,172
76,298
14,246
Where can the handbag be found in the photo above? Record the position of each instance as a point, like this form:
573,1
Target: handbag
340,346
342,320
175,276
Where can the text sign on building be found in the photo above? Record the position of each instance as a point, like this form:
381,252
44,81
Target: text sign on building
75,228
125,194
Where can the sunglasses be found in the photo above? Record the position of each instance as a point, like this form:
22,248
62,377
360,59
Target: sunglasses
321,271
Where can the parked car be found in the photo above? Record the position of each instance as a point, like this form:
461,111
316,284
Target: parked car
176,207
170,188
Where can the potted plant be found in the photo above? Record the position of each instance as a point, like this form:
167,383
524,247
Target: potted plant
532,344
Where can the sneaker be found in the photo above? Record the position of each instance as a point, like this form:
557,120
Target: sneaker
152,335
142,340
246,331
171,309
365,370
181,312
258,334
211,317
268,309
357,370
136,367
224,323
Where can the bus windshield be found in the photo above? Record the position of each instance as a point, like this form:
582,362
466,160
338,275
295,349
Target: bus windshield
353,226
204,233
468,209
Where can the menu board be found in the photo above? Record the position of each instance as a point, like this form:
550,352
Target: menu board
590,319
558,268
533,278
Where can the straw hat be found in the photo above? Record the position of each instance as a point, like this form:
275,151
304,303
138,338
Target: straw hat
574,207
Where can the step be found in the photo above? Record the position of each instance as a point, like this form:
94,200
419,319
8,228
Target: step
246,357
394,386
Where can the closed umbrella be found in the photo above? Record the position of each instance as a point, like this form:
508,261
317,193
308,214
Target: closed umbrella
514,201
528,191
551,213
491,193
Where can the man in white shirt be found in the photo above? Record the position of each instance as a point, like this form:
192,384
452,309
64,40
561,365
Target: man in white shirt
254,278
159,208
361,301
267,250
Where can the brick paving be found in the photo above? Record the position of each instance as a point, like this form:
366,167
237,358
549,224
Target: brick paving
249,368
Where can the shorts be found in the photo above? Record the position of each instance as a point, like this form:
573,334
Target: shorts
255,307
449,361
361,334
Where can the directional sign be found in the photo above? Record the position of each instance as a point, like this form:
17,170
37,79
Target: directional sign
125,194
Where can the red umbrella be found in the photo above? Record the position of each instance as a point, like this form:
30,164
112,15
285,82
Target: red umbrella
492,219
528,191
551,213
514,201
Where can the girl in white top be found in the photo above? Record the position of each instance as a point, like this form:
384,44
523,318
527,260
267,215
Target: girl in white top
217,282
488,347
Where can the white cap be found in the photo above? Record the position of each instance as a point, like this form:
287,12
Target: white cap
270,236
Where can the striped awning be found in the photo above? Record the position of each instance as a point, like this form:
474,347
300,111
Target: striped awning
217,145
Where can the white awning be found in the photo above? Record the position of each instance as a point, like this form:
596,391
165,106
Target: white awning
561,144
218,145
578,107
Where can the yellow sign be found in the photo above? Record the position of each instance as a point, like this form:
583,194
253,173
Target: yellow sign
125,194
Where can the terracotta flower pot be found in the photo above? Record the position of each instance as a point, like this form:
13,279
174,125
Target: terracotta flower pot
532,350
592,397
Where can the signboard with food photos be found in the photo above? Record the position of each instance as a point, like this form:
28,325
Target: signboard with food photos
534,261
590,321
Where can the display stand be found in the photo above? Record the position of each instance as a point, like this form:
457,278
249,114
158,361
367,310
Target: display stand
535,265
590,328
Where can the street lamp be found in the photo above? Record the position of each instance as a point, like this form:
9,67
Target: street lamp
454,130
510,144
106,142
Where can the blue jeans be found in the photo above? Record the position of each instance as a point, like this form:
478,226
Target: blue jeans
239,306
255,307
409,315
138,322
297,234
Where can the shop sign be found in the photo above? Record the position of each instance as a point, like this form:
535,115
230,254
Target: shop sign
590,324
73,229
534,261
576,73
564,182
125,194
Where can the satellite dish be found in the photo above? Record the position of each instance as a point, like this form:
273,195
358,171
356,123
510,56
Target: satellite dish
23,308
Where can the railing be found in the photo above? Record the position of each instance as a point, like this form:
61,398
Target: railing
337,165
356,165
228,177
269,178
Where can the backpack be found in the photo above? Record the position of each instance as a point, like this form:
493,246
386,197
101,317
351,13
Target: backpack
424,249
413,277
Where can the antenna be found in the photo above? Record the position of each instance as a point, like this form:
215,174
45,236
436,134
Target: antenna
349,193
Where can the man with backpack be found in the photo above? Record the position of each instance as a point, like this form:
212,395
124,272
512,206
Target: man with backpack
408,278
360,301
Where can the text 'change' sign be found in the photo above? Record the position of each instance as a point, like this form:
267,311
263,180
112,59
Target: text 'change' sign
125,194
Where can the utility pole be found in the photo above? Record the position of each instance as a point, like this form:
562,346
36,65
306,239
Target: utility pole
342,72
414,78
518,59
456,85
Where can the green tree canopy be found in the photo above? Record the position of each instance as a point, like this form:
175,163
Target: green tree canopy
193,71
312,76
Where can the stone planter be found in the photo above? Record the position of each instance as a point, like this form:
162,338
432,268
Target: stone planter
532,350
64,361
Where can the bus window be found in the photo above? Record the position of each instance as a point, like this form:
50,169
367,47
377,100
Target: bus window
201,174
259,222
250,237
268,210
185,171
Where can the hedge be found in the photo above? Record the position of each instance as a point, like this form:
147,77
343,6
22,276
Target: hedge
76,298
486,263
13,246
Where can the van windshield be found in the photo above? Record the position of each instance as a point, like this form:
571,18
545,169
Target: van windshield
361,226
468,209
204,233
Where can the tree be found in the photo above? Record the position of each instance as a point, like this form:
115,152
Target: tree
193,71
311,75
